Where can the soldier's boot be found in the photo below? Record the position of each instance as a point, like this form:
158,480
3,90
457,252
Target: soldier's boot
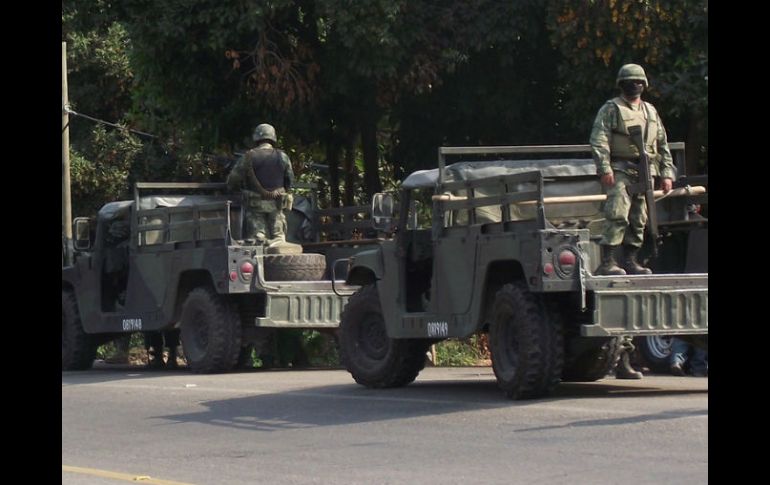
171,363
155,359
624,369
609,264
630,263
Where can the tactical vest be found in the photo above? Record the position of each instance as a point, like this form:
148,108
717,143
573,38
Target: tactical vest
268,167
621,145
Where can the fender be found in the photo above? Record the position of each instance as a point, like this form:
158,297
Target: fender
365,267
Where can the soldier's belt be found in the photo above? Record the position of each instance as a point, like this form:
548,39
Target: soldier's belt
633,161
624,165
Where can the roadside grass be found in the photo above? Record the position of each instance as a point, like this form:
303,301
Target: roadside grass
473,351
308,348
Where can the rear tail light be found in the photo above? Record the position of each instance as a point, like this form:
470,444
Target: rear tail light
247,271
565,262
567,257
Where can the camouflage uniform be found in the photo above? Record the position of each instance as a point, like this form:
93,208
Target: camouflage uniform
263,203
617,164
626,215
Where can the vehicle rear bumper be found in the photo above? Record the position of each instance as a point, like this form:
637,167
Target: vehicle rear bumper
304,309
648,305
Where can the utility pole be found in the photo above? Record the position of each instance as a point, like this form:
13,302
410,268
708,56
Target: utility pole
66,206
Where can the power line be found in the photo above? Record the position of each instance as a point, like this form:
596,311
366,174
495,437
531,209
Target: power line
70,111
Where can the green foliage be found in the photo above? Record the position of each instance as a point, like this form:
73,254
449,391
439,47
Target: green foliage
100,77
504,92
321,349
385,80
101,171
130,344
462,352
670,39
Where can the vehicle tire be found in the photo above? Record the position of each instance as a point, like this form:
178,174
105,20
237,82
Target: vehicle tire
588,360
294,267
372,358
78,349
525,340
211,332
656,351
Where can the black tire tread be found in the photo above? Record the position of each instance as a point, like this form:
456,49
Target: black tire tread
540,348
404,360
78,348
593,364
294,267
224,332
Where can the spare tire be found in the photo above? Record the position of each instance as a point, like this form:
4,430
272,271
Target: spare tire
656,351
294,267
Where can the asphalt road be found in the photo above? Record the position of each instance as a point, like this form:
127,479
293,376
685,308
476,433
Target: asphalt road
452,425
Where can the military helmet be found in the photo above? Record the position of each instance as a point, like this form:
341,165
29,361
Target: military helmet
631,72
265,132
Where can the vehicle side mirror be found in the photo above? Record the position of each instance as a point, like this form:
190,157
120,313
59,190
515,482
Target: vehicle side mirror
82,233
382,211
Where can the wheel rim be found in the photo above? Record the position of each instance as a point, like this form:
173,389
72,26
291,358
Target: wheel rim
195,336
659,347
373,338
507,347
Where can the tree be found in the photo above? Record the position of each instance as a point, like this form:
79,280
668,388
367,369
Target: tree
670,39
99,83
505,92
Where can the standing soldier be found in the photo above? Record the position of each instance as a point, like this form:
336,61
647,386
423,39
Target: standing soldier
264,177
617,163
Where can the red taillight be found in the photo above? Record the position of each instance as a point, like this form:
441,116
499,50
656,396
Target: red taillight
247,270
548,268
566,258
233,275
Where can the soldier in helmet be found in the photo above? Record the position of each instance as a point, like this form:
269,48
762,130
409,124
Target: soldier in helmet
617,160
617,164
264,177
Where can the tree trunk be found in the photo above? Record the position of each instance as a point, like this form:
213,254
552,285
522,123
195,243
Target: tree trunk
372,181
333,161
349,168
692,146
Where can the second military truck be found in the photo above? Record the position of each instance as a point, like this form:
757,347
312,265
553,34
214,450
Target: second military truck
172,258
508,249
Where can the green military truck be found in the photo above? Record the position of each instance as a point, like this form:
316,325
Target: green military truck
502,245
173,258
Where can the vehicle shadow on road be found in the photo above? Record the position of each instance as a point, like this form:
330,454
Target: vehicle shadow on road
336,405
608,389
116,372
643,418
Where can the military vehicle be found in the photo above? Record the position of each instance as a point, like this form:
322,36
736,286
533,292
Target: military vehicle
173,258
509,250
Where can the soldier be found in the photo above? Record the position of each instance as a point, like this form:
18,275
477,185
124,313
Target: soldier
264,176
617,160
154,343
